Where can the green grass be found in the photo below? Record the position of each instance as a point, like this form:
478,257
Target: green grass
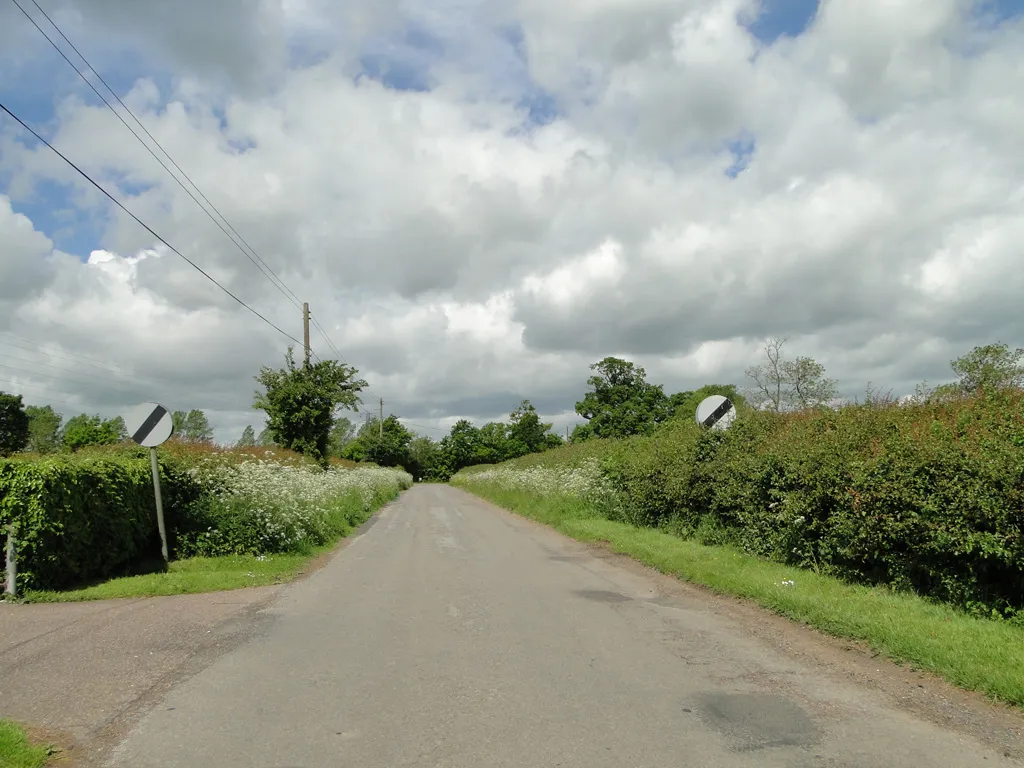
197,574
973,653
16,751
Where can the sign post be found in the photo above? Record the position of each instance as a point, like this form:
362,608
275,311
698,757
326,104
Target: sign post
11,585
150,424
716,412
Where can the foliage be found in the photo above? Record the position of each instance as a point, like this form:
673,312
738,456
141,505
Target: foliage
925,497
687,402
383,442
265,439
14,424
83,430
423,456
620,402
989,367
92,514
192,427
248,438
43,429
301,401
261,506
342,433
786,385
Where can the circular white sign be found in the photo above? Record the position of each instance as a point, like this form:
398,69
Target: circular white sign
716,412
149,424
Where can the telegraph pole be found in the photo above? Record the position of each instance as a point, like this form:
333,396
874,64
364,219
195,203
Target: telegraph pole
305,328
381,422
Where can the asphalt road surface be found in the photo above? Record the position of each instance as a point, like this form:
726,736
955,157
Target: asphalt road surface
455,634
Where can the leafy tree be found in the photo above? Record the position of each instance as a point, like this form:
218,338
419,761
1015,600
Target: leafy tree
248,438
43,429
993,366
423,455
14,424
621,402
385,443
265,439
192,427
580,433
784,385
83,430
342,433
526,433
459,448
301,401
492,444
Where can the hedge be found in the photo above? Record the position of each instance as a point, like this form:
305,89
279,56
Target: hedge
79,518
923,497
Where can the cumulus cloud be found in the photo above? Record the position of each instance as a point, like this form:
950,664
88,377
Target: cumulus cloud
480,201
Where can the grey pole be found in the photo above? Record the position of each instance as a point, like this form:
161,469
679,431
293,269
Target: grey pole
12,565
159,503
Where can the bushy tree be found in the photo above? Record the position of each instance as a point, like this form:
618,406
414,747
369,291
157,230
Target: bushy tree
265,439
83,430
787,385
342,433
43,429
988,367
423,455
385,443
14,424
526,434
248,438
686,402
301,402
192,427
621,402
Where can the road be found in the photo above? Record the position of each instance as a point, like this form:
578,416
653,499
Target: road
455,634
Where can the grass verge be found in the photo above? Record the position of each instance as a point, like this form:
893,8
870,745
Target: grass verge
972,653
183,577
16,751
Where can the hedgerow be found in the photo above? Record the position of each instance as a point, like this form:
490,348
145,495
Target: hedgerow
85,516
922,497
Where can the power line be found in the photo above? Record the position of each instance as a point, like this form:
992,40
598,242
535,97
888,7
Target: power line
145,226
276,281
43,350
106,380
327,338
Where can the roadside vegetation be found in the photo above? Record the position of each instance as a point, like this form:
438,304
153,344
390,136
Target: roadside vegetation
16,751
83,516
898,523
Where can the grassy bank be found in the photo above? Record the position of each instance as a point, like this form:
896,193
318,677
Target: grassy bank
183,577
16,751
973,653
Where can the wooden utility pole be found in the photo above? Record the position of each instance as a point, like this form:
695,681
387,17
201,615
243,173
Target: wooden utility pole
381,422
305,328
567,433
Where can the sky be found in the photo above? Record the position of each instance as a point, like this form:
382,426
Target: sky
480,199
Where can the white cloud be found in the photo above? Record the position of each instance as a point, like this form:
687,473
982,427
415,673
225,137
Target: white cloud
464,258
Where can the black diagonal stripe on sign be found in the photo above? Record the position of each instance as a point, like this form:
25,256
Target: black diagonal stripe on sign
147,426
718,413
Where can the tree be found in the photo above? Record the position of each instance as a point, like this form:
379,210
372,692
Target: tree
782,385
385,443
526,433
192,427
459,448
423,455
621,402
301,402
342,433
993,366
43,429
83,430
14,424
248,438
265,439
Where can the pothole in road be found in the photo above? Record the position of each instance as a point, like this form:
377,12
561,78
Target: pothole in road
758,721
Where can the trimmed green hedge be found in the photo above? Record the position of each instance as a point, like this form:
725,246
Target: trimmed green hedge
922,497
85,517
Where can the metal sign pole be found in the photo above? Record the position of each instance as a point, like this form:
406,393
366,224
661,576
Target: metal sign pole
159,503
11,588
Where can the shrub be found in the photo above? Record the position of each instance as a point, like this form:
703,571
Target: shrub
926,497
